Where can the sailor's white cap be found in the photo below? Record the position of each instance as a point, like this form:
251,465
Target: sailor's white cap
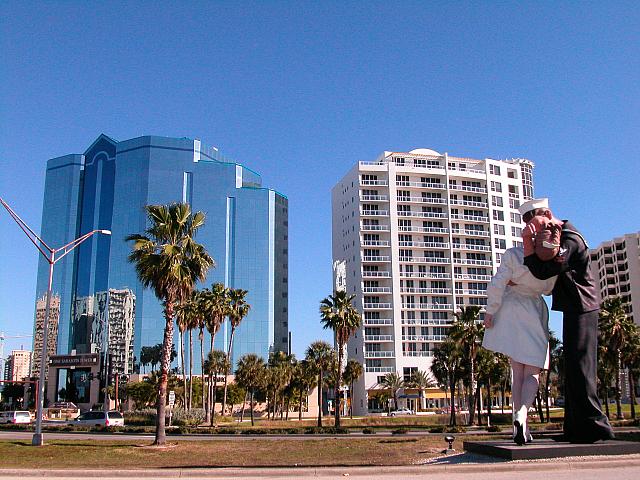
534,204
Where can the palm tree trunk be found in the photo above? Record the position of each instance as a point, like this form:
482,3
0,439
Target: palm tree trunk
224,399
167,341
618,400
489,401
338,383
190,369
207,408
300,406
632,393
244,402
320,398
201,338
351,401
472,396
539,400
452,387
547,382
215,391
606,400
251,405
184,373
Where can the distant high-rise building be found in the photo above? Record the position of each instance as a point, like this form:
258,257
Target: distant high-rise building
102,306
52,334
18,365
416,235
616,266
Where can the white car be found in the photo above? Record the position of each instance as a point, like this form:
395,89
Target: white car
401,411
111,418
15,417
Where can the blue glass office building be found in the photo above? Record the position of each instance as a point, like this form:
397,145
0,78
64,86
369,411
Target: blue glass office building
107,187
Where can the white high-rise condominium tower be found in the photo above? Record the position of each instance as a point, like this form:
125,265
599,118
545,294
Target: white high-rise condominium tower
415,236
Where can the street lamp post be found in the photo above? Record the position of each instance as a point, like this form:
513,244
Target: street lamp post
53,256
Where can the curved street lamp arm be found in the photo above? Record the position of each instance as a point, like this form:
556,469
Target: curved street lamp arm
31,235
74,243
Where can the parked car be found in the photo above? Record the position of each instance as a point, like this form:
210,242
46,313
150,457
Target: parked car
401,411
16,416
111,418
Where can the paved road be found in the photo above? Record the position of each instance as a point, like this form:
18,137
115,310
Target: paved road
457,467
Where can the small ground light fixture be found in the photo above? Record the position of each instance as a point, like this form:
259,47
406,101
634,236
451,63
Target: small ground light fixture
449,439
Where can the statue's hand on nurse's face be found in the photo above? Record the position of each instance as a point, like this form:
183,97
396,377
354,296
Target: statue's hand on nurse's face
488,320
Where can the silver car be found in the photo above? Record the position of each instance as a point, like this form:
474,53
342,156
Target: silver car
111,418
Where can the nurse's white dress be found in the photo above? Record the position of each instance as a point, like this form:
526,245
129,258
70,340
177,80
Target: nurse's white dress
520,316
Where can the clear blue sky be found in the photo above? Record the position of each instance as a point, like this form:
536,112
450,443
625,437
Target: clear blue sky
299,91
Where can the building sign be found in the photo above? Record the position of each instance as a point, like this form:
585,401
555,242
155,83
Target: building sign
81,360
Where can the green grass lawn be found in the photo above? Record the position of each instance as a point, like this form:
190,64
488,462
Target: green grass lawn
59,454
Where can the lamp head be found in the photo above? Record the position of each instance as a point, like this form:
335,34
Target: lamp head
105,232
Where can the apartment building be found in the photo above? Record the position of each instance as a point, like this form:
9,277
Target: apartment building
616,265
18,365
416,235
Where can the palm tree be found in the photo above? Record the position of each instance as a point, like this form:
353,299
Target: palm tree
393,382
421,380
468,331
631,359
616,329
182,320
215,365
249,375
353,370
169,260
338,314
238,309
280,367
555,350
304,379
446,368
320,356
187,314
215,306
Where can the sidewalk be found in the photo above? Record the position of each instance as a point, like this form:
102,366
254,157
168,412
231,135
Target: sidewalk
465,466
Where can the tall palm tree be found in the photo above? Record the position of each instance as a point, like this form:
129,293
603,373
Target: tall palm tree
393,382
320,355
249,375
631,359
353,370
169,260
338,314
421,380
215,306
187,313
238,309
182,320
304,379
555,350
280,367
468,331
616,329
446,367
215,365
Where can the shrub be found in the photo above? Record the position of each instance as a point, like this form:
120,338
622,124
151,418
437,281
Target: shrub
193,417
494,428
439,429
254,431
456,429
226,431
400,431
368,431
325,430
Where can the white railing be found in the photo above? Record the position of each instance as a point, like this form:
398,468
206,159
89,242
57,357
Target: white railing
424,338
374,228
373,182
380,369
378,321
425,290
425,275
423,229
378,274
424,244
416,321
382,258
471,233
470,218
417,354
470,292
374,213
428,306
440,186
422,214
468,203
378,338
465,246
440,201
377,306
466,261
470,276
379,354
375,243
376,290
458,168
374,198
466,188
424,260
